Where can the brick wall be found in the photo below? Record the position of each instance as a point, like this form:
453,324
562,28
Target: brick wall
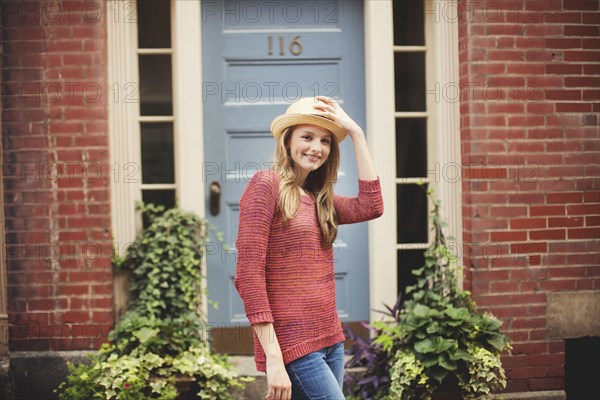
531,195
55,138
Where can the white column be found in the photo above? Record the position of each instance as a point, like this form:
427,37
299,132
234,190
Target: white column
189,122
443,133
123,126
187,97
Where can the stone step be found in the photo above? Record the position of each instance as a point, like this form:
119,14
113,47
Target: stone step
257,390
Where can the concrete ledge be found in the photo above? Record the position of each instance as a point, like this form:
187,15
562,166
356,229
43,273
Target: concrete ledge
34,375
543,395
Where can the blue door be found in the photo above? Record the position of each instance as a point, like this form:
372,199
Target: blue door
258,57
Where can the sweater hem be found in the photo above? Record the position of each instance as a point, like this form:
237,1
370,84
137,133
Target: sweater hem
260,317
304,348
369,186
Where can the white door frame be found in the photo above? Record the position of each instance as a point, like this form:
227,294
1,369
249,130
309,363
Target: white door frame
443,126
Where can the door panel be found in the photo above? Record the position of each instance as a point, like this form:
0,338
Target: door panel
255,63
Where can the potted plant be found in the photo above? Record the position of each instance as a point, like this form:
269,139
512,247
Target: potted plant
435,343
158,349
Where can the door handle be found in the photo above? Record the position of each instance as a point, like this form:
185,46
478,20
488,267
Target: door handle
215,198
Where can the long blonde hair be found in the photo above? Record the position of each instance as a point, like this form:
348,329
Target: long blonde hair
319,183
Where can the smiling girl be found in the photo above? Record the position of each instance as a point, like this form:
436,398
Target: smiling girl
289,217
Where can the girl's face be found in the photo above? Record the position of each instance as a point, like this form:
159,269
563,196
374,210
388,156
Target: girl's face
309,146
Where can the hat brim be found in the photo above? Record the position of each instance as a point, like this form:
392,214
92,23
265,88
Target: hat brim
284,121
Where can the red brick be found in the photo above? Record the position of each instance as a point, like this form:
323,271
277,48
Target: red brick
505,29
583,209
563,17
565,222
525,198
529,348
537,334
584,233
591,197
45,304
546,384
490,173
556,346
546,210
556,370
572,55
544,81
580,5
580,30
583,81
567,272
543,30
563,94
558,285
528,248
502,287
508,211
573,197
584,259
488,68
592,220
589,95
549,234
527,223
535,259
540,108
524,121
539,55
102,289
499,108
564,69
528,147
74,289
573,107
590,18
508,236
590,44
513,361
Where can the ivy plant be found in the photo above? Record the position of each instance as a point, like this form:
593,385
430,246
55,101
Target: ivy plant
160,341
436,335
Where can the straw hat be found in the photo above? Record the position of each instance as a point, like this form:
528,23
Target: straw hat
303,112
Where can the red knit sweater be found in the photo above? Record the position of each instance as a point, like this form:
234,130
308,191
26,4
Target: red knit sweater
284,275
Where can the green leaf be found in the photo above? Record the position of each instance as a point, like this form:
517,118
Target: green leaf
421,310
440,344
429,361
424,346
461,314
145,334
438,374
447,363
460,354
498,341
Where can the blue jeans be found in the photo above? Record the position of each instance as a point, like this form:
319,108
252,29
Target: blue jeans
318,375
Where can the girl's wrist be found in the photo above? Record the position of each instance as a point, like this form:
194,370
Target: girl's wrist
275,358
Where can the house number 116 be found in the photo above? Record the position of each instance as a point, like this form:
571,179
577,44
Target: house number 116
295,45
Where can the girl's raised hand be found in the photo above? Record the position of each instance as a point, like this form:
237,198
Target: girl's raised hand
331,109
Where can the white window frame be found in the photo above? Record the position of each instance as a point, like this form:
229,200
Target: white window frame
443,133
124,118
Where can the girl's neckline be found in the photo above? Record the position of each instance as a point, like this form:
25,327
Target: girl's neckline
306,197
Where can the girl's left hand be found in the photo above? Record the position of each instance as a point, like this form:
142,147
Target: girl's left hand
332,110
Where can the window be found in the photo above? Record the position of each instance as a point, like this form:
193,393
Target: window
411,117
156,116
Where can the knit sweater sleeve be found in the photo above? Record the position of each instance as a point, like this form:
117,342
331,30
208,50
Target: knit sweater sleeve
366,206
258,205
